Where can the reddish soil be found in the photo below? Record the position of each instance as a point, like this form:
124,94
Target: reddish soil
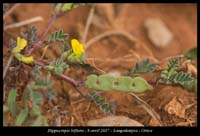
181,19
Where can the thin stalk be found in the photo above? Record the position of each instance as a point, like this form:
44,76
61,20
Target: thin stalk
148,109
8,65
10,10
89,20
22,23
70,80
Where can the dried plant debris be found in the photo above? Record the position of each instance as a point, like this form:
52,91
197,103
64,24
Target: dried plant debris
158,33
178,106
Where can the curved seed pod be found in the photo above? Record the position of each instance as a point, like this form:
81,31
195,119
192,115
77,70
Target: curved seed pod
91,81
141,85
106,82
121,83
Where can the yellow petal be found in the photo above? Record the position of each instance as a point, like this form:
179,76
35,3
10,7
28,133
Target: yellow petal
27,60
77,47
67,7
21,44
24,59
18,56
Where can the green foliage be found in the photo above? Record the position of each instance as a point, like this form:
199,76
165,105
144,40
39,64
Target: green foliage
58,66
168,75
171,76
12,106
192,86
36,71
176,77
38,121
65,47
57,36
42,83
35,111
191,53
41,88
32,94
165,74
142,67
35,97
31,35
106,107
5,109
121,83
72,58
45,84
45,122
4,119
173,63
22,116
181,78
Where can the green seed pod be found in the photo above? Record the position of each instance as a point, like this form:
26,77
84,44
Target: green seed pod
121,83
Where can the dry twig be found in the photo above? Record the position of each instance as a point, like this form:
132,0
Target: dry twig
148,109
10,10
89,20
8,65
22,23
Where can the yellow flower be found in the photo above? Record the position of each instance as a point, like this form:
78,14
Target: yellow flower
21,44
27,60
77,48
67,7
23,58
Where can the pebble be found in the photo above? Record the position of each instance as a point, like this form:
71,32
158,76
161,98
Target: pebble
158,33
114,73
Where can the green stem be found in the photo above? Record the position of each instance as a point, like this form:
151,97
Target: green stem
70,80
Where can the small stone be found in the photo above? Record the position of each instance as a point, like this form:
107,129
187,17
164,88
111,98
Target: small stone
114,121
158,32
